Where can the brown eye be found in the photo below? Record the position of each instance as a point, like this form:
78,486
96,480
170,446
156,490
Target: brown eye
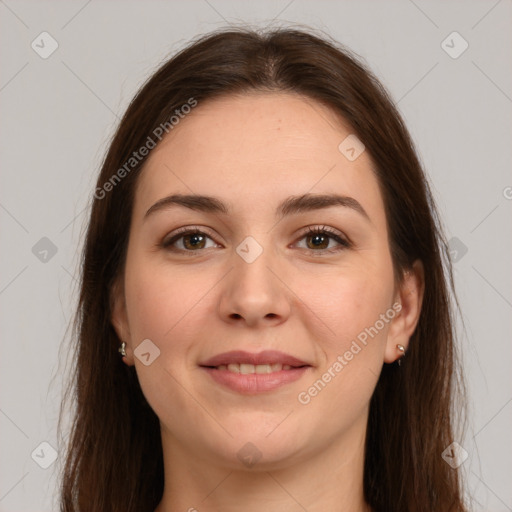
318,241
319,238
187,240
194,241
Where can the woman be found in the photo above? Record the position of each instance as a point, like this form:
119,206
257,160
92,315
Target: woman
265,253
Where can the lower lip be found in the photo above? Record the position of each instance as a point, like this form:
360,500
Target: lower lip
254,383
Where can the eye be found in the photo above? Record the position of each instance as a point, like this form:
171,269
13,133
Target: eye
188,239
192,239
319,238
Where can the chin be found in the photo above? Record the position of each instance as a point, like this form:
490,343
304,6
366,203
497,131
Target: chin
259,449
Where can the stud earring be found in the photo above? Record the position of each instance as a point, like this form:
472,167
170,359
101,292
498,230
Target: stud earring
122,349
401,349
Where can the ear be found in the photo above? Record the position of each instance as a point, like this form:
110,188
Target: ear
410,298
119,318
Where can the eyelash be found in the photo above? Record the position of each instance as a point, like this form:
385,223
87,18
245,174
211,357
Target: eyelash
344,244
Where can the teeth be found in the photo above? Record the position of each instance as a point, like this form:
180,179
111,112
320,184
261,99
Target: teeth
246,369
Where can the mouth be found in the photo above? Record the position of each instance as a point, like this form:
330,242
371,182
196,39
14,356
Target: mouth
248,373
260,369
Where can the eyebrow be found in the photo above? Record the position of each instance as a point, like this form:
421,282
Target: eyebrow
291,205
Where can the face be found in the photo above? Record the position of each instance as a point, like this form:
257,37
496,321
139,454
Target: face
270,269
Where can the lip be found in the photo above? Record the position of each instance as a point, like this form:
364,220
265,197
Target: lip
265,357
255,383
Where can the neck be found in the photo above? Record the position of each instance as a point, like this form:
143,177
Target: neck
330,479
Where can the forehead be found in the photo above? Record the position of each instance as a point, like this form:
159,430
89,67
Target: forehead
258,147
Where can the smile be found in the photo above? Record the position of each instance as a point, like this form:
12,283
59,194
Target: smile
247,368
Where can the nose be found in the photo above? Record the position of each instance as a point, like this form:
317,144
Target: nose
254,292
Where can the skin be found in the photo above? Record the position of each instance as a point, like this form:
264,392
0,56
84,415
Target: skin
253,151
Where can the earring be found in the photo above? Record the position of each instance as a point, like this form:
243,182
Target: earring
122,349
402,349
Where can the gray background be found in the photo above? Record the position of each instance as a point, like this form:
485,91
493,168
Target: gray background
58,113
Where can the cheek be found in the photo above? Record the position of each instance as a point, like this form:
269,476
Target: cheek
348,300
161,307
358,313
160,300
150,311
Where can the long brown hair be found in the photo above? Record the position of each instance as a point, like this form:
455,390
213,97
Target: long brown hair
114,460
